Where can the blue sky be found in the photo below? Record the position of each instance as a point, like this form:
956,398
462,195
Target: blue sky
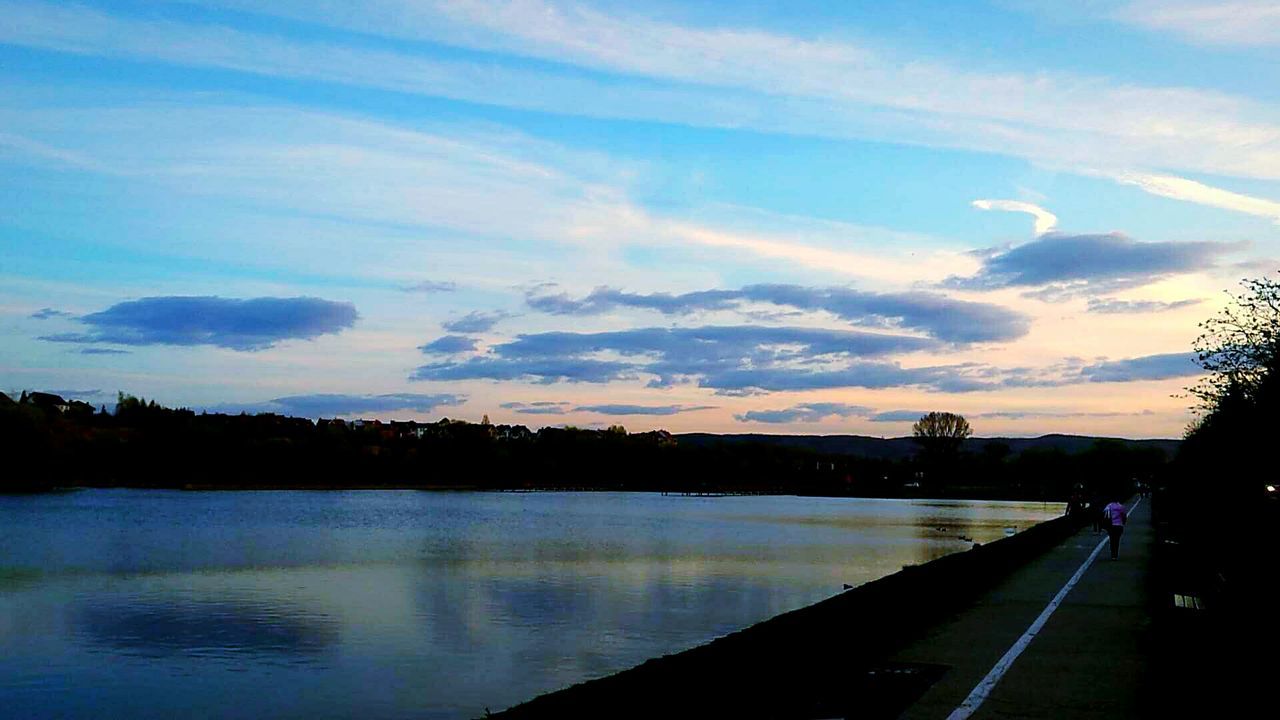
757,216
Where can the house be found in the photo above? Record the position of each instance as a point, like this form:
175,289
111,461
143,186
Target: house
410,429
514,433
46,401
661,438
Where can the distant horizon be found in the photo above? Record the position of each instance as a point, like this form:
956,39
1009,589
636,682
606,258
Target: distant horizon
591,426
722,217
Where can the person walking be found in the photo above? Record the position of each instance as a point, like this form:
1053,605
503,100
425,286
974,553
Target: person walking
1096,512
1115,517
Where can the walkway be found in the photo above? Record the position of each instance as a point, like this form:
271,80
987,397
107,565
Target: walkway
855,655
1088,660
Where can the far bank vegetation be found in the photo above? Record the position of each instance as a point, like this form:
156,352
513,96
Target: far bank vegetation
140,443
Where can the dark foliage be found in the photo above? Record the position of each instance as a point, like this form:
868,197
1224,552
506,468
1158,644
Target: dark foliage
144,444
1216,519
1221,505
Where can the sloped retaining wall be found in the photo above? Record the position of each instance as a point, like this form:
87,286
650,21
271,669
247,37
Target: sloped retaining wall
800,663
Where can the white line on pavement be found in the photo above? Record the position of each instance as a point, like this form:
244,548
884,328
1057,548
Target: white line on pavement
988,683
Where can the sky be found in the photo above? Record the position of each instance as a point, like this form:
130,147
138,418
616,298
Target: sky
783,217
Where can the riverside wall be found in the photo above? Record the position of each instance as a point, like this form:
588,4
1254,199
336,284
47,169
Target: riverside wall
801,663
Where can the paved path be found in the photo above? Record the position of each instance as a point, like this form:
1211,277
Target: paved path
1087,661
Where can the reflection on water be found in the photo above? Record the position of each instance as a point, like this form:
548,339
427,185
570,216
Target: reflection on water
397,604
227,629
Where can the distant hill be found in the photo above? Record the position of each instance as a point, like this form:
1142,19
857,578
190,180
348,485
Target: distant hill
903,447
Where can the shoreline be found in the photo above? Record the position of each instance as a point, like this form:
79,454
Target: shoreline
314,487
793,664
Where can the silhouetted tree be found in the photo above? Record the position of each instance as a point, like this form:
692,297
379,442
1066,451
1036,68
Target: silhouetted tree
941,432
1240,348
1224,457
940,435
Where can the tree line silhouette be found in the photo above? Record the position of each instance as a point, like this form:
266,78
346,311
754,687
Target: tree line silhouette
1221,507
140,443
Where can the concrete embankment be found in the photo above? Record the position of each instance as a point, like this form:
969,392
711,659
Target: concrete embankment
825,660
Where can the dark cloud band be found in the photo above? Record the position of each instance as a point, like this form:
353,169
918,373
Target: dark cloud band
748,360
253,324
807,412
338,404
1089,263
940,317
449,345
711,355
537,408
475,322
642,409
1150,367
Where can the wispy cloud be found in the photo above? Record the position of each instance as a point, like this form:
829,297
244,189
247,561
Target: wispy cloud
904,416
340,404
351,169
542,407
1256,266
860,374
1247,23
1112,306
604,299
1056,414
745,78
1044,220
363,189
844,248
941,317
893,416
431,286
44,151
367,173
79,394
657,410
49,313
253,324
1191,191
538,370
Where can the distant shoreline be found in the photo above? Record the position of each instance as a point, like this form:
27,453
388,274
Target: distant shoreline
145,445
204,487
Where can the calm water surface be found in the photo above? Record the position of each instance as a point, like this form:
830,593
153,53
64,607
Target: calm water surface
391,604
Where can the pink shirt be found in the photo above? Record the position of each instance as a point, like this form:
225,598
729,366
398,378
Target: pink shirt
1116,513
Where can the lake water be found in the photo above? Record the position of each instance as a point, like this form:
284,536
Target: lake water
394,604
